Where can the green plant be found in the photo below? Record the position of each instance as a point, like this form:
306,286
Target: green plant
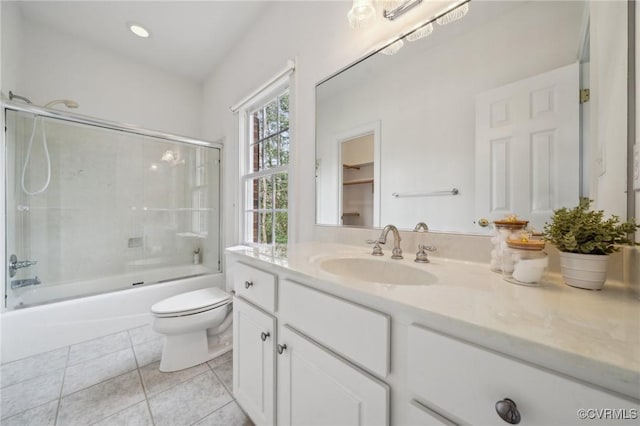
581,230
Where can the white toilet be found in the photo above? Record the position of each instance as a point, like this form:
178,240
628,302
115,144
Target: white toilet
195,326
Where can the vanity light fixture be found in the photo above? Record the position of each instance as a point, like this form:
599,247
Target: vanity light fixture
421,32
400,9
457,13
138,30
392,48
362,14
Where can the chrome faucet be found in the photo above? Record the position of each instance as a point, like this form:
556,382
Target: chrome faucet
421,255
396,253
15,264
419,226
25,283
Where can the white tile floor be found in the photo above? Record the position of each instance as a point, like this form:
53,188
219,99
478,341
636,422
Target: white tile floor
115,381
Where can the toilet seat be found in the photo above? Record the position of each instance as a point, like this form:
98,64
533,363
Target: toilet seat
193,302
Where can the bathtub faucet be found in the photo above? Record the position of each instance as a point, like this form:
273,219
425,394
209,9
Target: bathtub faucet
25,283
15,264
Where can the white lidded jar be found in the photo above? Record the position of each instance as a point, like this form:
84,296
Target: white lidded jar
505,229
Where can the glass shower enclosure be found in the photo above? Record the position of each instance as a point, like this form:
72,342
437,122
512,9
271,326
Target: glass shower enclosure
93,207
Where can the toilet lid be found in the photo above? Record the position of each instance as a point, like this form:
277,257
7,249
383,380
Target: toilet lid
192,302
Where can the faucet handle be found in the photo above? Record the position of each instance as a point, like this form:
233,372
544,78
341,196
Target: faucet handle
377,250
421,255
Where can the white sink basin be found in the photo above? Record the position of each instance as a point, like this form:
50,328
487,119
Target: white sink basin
379,271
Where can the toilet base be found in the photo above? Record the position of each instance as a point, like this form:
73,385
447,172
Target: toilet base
188,350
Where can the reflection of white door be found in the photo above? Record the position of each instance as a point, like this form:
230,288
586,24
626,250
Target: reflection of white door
527,147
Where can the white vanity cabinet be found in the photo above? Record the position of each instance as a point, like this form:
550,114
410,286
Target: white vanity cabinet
316,387
466,382
324,355
254,386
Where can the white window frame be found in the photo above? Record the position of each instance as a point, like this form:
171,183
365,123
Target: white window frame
267,93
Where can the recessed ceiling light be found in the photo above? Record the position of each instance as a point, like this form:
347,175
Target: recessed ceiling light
138,30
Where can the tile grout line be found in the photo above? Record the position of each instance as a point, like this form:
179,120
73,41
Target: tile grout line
217,409
64,376
103,355
22,359
144,388
4,419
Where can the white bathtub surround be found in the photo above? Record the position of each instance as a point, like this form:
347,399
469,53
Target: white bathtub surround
26,332
49,293
552,325
102,382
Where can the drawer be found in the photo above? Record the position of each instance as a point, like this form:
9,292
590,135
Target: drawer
465,382
421,415
357,333
255,285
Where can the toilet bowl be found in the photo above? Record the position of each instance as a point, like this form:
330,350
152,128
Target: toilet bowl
194,326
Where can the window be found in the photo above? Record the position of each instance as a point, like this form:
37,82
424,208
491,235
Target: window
266,177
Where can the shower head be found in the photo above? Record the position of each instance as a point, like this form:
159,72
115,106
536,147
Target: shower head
68,103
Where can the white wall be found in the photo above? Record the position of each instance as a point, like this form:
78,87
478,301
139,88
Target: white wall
53,65
11,46
608,72
317,35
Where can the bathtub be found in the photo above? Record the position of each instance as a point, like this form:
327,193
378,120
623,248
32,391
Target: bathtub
26,332
52,293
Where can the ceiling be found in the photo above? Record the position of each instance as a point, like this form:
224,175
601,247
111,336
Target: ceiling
188,38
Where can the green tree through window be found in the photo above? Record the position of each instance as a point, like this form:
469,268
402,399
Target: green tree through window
267,181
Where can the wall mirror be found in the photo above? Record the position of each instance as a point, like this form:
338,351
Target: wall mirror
478,119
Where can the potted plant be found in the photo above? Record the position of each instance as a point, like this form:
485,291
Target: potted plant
585,239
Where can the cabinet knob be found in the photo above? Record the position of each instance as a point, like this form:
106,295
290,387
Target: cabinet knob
264,335
508,411
282,348
248,284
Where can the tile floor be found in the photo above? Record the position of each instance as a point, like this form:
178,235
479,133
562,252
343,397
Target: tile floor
114,381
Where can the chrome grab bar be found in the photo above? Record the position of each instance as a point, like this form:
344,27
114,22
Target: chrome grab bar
453,191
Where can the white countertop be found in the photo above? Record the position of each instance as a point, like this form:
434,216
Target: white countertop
590,335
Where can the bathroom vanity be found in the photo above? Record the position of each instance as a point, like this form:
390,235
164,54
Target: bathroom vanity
323,335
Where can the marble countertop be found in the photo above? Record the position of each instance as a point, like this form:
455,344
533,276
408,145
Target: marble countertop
591,335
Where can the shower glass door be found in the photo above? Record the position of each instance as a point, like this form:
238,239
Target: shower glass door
93,210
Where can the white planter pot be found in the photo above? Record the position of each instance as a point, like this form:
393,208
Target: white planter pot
584,270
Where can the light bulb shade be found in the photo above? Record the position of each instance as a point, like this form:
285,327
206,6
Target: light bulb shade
457,13
392,48
420,32
362,14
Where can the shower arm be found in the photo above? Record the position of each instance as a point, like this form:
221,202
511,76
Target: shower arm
13,96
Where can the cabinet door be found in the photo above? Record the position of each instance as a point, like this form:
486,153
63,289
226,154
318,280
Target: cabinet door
316,387
254,361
